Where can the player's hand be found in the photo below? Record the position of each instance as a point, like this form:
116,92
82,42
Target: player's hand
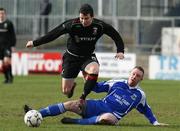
29,44
119,55
160,124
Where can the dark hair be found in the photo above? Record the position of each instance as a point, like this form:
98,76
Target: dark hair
2,9
139,68
86,9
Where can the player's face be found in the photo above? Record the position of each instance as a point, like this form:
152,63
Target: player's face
2,15
135,77
85,20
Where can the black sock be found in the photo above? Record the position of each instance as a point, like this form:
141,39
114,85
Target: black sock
6,75
5,72
10,72
89,84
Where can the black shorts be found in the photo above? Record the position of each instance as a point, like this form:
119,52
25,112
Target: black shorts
5,53
72,65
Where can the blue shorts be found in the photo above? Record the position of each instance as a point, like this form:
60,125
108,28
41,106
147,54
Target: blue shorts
95,108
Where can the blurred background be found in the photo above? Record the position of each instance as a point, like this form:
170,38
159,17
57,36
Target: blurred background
151,33
140,23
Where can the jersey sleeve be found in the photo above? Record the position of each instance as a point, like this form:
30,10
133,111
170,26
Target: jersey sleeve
106,86
101,87
111,32
53,34
145,109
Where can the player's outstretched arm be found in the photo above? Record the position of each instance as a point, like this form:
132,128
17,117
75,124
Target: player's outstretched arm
29,44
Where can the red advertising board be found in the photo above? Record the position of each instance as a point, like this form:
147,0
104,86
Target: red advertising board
50,62
37,62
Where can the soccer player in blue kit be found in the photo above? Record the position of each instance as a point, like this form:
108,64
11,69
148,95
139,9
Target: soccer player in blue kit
122,96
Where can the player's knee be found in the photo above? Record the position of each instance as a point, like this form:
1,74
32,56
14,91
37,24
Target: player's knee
92,68
6,61
69,105
73,106
108,119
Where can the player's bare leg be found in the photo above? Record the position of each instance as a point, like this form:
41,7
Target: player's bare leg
73,106
1,66
68,86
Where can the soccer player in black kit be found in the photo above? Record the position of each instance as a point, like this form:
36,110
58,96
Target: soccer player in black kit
84,32
7,44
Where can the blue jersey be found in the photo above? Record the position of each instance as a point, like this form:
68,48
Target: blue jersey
120,99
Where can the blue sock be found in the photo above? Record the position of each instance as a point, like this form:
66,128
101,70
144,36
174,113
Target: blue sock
52,110
87,121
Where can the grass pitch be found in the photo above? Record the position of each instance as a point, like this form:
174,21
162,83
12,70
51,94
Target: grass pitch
41,90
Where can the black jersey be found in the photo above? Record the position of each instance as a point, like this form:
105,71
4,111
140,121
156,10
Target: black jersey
7,35
82,40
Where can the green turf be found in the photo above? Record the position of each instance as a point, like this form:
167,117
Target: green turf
42,90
